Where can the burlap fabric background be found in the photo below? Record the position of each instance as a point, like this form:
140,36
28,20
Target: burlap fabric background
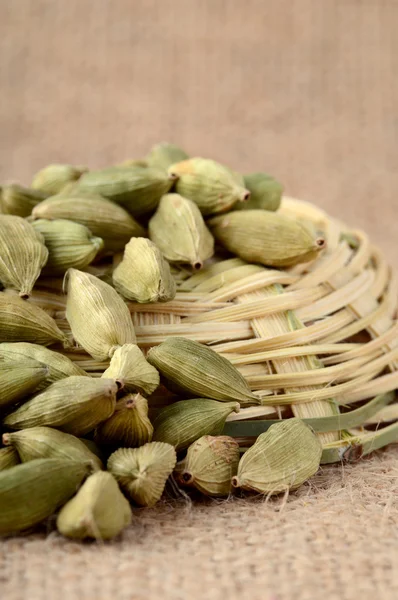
305,89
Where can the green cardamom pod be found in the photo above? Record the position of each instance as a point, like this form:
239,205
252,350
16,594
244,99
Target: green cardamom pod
99,510
21,321
74,405
210,464
182,423
103,218
179,231
133,162
164,154
18,380
197,369
138,189
45,442
33,491
9,457
99,318
131,371
19,200
70,245
59,366
53,178
213,187
265,193
142,472
266,237
144,275
129,426
23,254
281,459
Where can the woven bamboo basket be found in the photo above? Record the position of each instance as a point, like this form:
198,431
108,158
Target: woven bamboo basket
317,341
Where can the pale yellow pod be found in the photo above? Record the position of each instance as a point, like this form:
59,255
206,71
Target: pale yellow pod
130,369
99,510
70,245
142,472
179,231
18,200
144,275
129,426
99,318
266,237
281,459
54,177
22,254
74,405
45,442
210,464
58,365
213,187
33,491
103,218
21,321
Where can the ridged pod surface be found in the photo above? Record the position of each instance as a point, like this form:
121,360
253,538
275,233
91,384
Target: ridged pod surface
99,318
179,231
99,510
31,492
74,405
22,254
142,472
103,218
183,422
197,369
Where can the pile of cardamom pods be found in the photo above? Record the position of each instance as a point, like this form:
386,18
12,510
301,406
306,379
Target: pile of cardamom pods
84,447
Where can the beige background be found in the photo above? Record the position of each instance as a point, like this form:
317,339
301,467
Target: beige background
304,89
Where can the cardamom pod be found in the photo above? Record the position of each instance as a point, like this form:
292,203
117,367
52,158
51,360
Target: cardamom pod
207,183
54,177
281,459
19,200
138,189
21,321
142,472
182,423
70,245
32,491
45,442
143,275
179,231
8,458
103,218
133,162
23,254
18,380
164,154
92,446
129,425
131,371
210,464
265,193
59,366
74,405
99,510
99,318
265,237
197,369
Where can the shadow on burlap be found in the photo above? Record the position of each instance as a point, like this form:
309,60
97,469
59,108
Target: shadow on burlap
305,90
